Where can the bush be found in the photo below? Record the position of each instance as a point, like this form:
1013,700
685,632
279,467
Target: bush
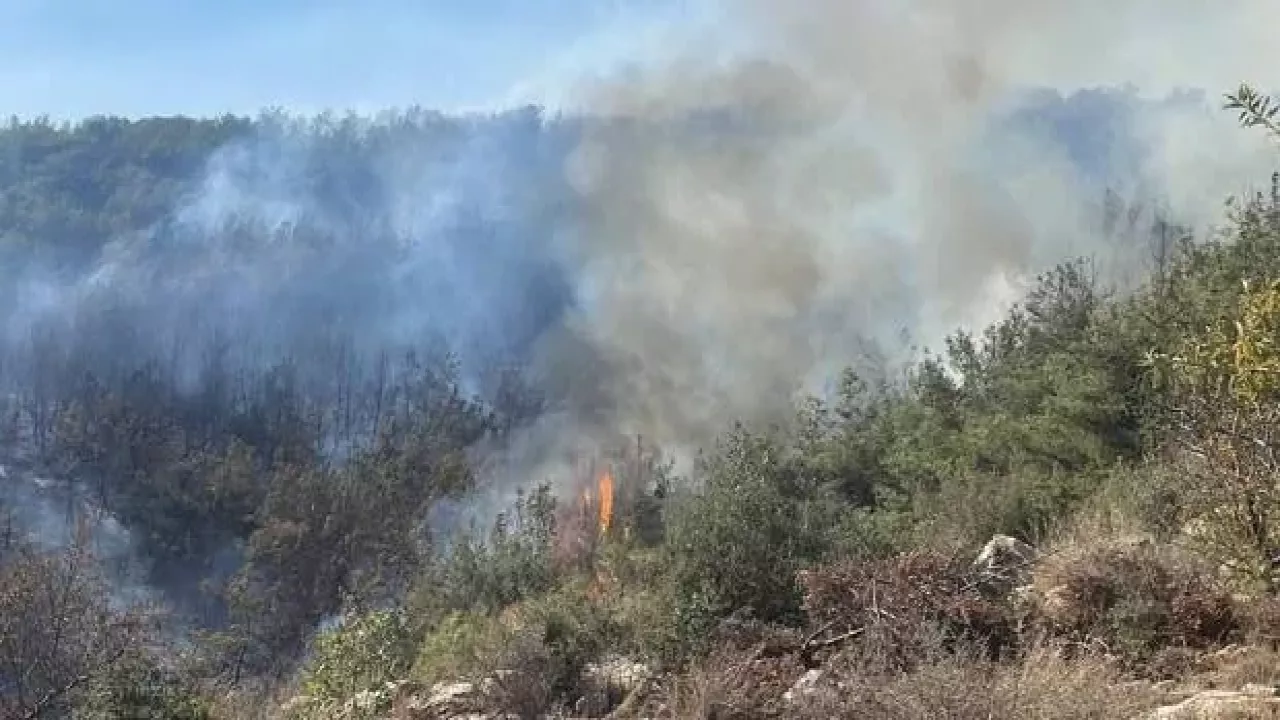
136,686
364,655
967,511
651,626
1135,596
573,630
727,685
739,541
1262,622
462,644
533,654
488,574
902,602
525,682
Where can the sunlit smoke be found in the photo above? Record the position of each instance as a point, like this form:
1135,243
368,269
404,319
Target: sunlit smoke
706,235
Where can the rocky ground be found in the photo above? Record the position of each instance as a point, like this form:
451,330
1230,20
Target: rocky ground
775,673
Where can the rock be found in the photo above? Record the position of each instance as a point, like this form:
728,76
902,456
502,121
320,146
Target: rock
1004,564
1253,702
451,700
609,683
618,673
806,686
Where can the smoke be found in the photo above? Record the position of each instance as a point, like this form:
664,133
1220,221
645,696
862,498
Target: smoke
54,515
817,176
304,241
780,191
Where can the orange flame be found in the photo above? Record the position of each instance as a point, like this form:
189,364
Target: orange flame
605,486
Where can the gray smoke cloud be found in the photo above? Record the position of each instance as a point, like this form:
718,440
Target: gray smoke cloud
804,178
717,225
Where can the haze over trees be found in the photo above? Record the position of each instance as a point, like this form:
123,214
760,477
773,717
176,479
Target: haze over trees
292,410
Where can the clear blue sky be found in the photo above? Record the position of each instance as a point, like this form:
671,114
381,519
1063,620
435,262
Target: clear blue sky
69,58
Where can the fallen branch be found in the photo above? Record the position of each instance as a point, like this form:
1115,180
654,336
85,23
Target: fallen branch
813,645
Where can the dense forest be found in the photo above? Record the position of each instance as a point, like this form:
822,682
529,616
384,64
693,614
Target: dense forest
283,436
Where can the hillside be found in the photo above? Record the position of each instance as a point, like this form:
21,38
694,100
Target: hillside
331,418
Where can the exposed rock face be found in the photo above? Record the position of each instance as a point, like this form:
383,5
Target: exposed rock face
610,683
618,674
606,684
446,701
1253,702
1004,564
806,686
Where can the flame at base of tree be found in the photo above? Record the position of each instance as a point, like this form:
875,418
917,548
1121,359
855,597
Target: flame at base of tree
606,497
583,524
604,485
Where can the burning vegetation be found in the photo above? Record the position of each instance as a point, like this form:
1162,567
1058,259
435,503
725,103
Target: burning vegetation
281,484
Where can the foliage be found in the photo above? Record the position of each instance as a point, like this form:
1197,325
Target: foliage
739,540
1224,385
1256,109
362,655
571,628
138,686
513,563
59,635
271,496
458,646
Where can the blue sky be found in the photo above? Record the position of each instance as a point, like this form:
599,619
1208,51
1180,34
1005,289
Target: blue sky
70,58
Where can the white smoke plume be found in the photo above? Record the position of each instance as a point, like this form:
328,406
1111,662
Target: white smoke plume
766,193
763,196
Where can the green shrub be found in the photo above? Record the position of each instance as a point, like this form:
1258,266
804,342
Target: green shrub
460,645
573,628
969,510
738,541
487,574
138,688
530,656
649,625
363,655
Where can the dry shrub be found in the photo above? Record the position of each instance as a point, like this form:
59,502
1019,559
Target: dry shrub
742,634
525,683
1261,619
1171,663
728,686
968,686
703,692
1238,666
1134,596
901,599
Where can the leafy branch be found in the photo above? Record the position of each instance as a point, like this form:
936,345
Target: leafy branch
1256,109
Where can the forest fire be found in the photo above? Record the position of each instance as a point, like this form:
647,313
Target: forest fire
598,501
604,486
584,524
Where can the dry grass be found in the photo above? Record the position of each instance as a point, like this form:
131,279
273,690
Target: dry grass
726,686
1237,667
1046,685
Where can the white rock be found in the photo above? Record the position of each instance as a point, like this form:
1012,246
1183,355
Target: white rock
1212,704
805,686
